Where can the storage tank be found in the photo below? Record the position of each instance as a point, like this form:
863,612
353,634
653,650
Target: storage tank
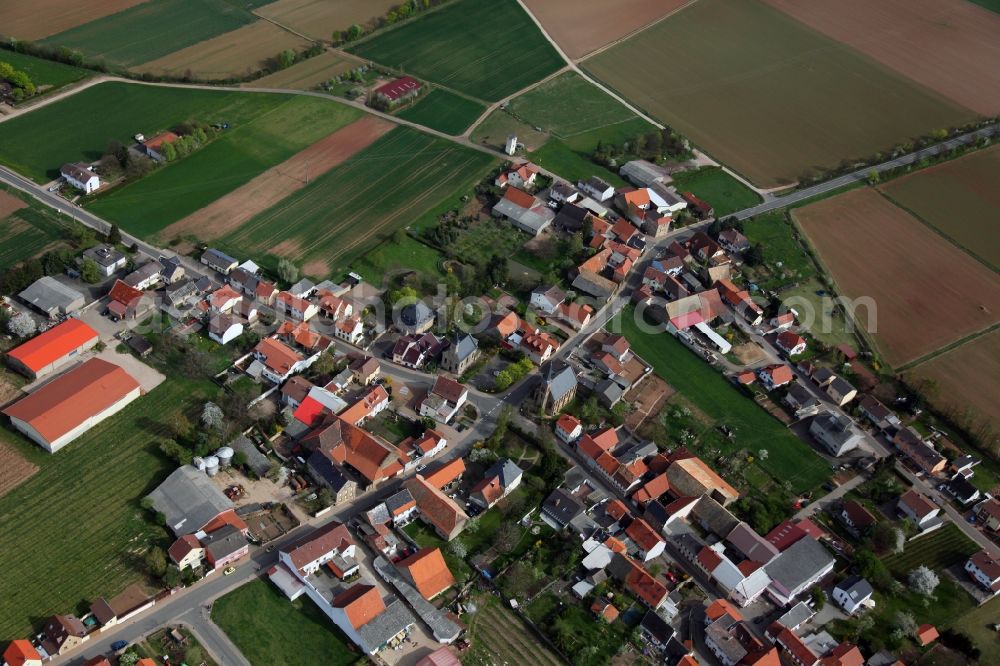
199,463
211,465
225,456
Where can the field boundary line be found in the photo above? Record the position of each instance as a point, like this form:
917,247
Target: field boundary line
635,32
939,232
283,27
950,347
490,108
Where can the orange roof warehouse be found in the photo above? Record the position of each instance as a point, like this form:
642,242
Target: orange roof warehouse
49,351
68,406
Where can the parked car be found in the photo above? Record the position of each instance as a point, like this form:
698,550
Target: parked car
119,645
228,570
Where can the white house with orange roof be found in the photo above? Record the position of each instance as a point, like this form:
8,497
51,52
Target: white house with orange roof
224,299
297,308
568,428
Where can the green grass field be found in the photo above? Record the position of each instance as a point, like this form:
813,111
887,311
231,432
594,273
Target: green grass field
153,29
30,231
568,105
270,630
774,232
444,111
351,208
287,125
562,160
726,194
45,74
83,505
80,126
765,94
485,49
937,550
992,5
789,458
978,623
959,199
409,254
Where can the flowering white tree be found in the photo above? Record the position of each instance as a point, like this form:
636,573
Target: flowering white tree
923,581
21,325
211,416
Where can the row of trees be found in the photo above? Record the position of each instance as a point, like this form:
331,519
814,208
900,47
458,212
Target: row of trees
396,14
655,146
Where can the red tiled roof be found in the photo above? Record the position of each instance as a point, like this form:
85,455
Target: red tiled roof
442,476
519,197
279,357
859,515
653,489
227,517
448,389
794,645
643,535
568,423
309,411
330,537
720,607
920,505
156,143
436,507
19,651
429,572
708,559
780,374
844,654
361,603
179,549
642,584
53,344
927,634
616,509
789,340
69,400
124,294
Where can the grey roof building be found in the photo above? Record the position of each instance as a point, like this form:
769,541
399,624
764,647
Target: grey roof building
302,288
570,217
106,257
461,353
256,461
395,502
803,564
836,432
595,285
223,542
51,297
852,592
188,500
801,399
443,629
560,508
415,318
143,276
218,260
173,270
382,628
557,388
796,616
643,173
609,392
180,292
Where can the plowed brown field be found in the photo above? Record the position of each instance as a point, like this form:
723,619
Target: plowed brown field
230,54
14,469
967,377
307,74
950,46
41,18
233,210
319,18
9,204
927,292
582,27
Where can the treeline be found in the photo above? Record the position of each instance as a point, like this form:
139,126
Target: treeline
655,146
396,14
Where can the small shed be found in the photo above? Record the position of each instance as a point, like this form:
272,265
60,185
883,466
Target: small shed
257,462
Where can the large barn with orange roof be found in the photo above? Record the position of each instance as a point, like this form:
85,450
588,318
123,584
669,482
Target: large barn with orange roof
47,352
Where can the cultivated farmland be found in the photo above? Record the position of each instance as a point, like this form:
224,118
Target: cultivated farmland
228,55
926,292
963,63
959,198
766,95
499,637
41,18
79,127
260,620
152,29
581,27
569,105
239,206
27,228
341,214
307,74
320,18
966,380
99,479
444,111
485,49
789,458
285,125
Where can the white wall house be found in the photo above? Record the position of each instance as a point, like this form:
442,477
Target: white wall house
81,177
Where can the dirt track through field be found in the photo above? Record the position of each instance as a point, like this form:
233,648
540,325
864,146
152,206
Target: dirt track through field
582,27
239,206
950,46
9,204
42,18
927,292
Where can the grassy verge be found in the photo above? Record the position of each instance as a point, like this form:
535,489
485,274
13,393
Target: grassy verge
272,631
47,75
726,194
